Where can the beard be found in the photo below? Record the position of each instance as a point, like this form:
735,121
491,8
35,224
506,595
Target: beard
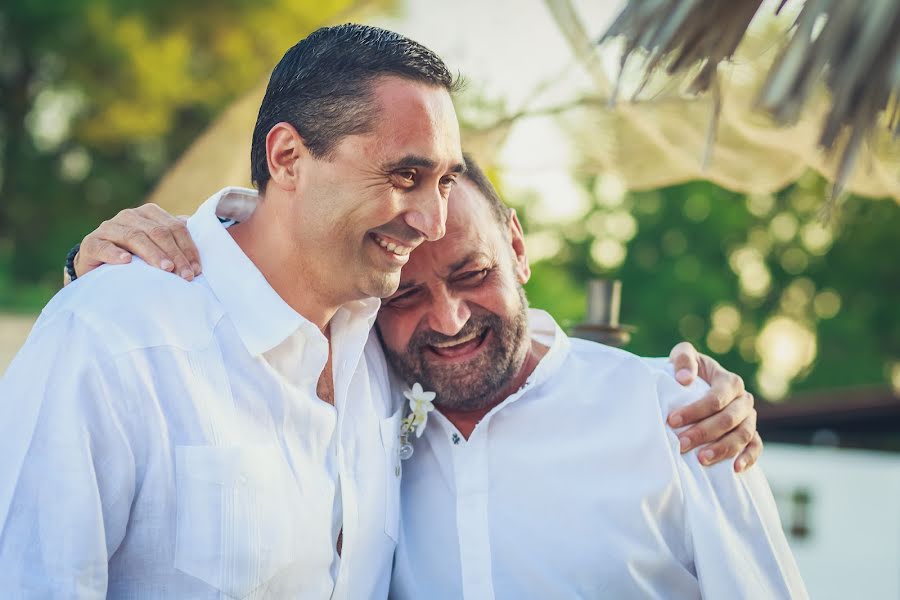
475,383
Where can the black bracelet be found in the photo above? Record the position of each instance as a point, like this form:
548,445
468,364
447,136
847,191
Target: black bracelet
70,262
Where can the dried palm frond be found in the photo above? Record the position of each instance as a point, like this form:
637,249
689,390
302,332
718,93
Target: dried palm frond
683,33
853,47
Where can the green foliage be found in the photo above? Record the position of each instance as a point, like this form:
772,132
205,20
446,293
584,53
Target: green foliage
756,281
98,97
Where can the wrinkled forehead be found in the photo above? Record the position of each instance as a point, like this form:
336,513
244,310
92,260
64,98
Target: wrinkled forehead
468,210
418,119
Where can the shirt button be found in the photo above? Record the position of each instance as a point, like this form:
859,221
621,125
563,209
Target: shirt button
242,479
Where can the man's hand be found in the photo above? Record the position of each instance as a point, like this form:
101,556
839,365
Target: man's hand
724,419
148,232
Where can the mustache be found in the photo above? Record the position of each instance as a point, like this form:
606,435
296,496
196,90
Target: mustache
475,324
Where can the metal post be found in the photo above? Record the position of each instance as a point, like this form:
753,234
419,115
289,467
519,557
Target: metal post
602,323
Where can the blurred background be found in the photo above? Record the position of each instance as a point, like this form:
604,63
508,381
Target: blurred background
716,221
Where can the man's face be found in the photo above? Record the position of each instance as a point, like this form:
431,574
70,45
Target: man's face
382,193
458,322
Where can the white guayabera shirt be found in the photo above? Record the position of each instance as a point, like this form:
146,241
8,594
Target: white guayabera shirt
574,487
163,439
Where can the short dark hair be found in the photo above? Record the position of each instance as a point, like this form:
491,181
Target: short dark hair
476,175
322,86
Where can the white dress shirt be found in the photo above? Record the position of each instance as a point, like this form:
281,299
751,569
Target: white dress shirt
163,439
574,487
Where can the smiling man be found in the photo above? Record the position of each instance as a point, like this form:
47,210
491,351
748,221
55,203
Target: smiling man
548,470
172,439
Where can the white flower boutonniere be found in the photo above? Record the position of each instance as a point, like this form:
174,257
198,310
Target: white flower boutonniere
420,404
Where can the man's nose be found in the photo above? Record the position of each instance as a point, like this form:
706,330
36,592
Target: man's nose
427,214
448,313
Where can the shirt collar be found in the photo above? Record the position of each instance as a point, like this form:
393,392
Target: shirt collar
543,329
262,318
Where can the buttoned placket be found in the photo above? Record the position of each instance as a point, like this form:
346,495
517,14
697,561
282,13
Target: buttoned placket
472,479
470,467
311,355
345,447
343,363
349,516
308,358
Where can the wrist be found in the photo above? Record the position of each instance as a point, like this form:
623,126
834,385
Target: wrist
71,259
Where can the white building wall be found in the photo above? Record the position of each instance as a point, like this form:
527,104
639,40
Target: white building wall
841,512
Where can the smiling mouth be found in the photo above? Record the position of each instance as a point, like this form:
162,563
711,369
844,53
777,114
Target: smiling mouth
460,347
392,246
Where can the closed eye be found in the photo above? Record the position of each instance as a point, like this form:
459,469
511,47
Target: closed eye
405,178
403,299
473,277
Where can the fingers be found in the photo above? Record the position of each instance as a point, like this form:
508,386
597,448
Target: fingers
186,244
95,252
169,228
737,419
730,444
725,388
685,362
149,232
170,234
175,260
750,455
715,375
138,243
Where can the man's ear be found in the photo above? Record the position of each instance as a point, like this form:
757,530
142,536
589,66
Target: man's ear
523,269
284,150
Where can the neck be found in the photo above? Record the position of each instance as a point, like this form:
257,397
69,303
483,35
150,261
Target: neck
466,420
265,241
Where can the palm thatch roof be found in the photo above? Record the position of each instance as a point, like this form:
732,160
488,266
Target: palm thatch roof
853,47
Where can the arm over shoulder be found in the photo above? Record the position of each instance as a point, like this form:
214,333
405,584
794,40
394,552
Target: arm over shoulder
732,525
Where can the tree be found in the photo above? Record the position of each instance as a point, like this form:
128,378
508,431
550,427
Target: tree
99,96
758,281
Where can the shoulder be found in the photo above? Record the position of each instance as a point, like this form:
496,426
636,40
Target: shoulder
649,378
608,383
598,360
137,306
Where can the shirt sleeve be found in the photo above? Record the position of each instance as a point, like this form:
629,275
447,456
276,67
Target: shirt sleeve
732,528
67,474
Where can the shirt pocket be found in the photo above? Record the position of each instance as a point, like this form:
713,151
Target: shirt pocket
390,441
234,525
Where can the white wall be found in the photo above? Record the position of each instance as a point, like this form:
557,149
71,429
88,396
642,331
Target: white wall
852,549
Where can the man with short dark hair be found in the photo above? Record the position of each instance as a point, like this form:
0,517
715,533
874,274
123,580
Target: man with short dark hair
231,436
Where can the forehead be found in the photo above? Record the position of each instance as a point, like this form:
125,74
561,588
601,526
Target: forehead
415,118
472,230
468,210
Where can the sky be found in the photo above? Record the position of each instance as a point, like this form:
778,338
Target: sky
526,50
